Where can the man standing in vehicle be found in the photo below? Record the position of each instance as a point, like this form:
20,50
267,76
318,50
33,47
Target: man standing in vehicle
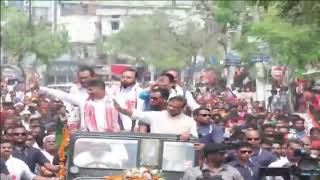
128,97
99,114
169,121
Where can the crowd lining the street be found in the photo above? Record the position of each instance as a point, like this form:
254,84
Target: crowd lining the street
219,117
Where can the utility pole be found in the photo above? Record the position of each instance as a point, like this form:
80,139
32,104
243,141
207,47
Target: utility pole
30,16
54,22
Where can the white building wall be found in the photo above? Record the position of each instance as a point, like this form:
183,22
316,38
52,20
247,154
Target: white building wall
80,29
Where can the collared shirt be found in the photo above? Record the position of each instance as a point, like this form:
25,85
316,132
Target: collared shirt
249,171
78,89
263,157
162,122
226,172
210,134
280,162
31,156
192,174
129,98
19,169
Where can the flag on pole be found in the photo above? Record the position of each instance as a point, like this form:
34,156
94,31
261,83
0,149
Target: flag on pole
59,132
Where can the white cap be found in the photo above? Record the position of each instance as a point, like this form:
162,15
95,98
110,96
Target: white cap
35,116
18,104
48,136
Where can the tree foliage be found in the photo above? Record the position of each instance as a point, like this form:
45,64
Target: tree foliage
19,38
292,43
156,40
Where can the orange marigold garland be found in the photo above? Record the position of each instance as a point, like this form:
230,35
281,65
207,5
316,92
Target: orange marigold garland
62,153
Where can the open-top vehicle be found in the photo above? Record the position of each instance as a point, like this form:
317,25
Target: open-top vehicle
97,155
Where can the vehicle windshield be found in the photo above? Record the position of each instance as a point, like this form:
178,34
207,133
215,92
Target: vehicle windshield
177,156
105,153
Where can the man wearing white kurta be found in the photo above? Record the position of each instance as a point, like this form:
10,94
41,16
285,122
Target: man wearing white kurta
179,91
170,121
98,112
128,97
18,169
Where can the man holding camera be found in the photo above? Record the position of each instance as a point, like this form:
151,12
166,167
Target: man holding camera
291,160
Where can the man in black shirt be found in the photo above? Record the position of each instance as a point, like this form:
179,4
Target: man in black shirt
31,156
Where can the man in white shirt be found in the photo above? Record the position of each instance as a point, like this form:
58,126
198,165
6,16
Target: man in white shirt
77,92
79,89
169,121
18,169
99,114
179,91
128,97
49,147
49,150
291,159
84,74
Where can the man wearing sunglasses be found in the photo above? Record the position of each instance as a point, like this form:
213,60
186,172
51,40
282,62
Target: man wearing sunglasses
31,156
208,131
16,168
158,102
249,170
260,155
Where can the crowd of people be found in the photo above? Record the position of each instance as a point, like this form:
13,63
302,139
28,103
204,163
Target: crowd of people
237,134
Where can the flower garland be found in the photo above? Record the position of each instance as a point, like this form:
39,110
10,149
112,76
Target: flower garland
62,153
142,173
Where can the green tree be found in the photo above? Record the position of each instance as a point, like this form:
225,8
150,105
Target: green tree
157,41
291,44
19,39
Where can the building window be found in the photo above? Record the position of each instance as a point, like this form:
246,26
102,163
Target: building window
115,16
85,52
115,25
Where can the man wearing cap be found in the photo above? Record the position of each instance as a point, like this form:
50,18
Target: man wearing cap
18,107
214,166
49,150
49,147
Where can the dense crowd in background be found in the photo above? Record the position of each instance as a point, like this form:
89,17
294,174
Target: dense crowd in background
260,134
